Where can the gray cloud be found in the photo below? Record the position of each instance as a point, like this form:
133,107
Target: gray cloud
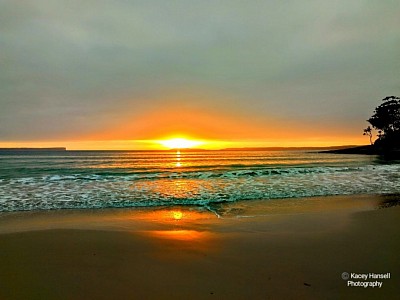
72,66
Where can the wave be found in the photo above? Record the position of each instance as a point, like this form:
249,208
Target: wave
209,172
99,188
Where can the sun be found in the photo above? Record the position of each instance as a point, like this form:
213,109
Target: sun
180,143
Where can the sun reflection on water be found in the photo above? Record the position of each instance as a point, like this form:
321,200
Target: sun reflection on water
178,159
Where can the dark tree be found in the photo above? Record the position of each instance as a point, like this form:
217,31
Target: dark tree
386,119
368,131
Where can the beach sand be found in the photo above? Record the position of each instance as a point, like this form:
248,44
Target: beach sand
276,249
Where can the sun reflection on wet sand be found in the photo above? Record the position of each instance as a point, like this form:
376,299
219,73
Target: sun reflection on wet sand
179,224
179,234
174,216
177,214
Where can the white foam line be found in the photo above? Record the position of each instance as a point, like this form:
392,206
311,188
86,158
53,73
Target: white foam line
213,211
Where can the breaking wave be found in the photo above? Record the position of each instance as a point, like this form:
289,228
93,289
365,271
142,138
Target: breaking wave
128,179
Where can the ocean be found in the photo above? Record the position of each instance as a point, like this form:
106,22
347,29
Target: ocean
104,179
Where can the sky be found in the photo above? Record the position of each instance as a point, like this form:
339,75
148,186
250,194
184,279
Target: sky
121,74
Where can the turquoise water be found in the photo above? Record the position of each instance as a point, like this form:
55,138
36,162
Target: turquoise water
99,179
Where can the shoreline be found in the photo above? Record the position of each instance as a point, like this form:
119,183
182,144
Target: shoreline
116,219
288,248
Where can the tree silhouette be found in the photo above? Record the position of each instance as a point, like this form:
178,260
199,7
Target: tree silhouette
386,119
368,131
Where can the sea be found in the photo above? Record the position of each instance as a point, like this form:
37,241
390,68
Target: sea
43,180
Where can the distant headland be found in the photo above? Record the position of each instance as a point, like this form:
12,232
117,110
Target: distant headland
386,121
368,150
35,149
288,148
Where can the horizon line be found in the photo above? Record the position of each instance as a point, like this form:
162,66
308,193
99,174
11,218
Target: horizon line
274,148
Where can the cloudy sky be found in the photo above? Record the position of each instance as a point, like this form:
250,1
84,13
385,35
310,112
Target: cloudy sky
261,72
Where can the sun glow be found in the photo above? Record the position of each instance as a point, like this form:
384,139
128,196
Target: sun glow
180,143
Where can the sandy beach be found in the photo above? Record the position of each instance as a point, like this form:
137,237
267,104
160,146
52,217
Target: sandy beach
277,249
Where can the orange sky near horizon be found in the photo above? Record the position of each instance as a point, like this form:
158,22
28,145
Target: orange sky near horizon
155,145
217,137
196,117
216,126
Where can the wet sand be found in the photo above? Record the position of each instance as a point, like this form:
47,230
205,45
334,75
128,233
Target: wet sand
281,249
